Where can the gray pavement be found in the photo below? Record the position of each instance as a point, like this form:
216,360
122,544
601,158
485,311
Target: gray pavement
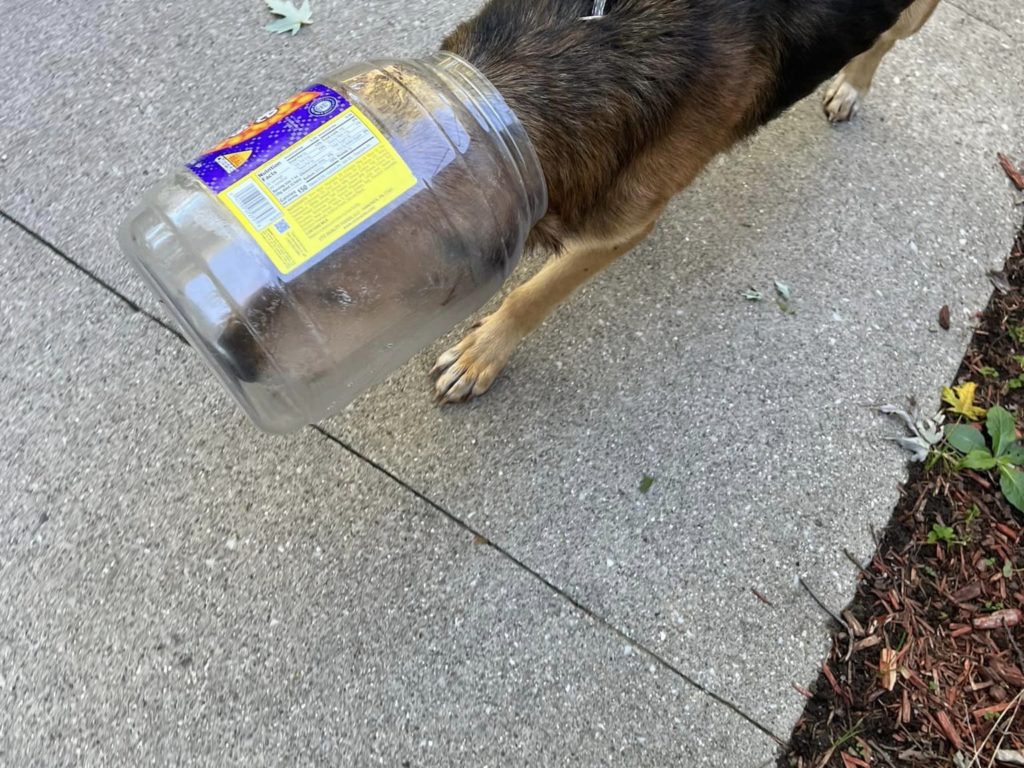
176,588
176,592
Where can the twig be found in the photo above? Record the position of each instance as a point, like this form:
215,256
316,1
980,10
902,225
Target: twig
823,607
852,559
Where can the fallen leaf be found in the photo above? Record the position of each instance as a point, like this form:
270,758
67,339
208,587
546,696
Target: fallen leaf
915,445
753,295
646,483
944,317
292,18
1012,171
961,401
783,290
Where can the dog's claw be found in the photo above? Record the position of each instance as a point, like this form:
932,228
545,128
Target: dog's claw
842,100
468,369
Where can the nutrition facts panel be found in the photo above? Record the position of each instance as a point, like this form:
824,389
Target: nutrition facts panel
314,161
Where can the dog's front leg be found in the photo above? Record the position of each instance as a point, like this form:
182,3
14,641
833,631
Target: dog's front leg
470,368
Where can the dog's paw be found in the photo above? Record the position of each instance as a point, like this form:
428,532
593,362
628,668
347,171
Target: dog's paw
468,369
842,100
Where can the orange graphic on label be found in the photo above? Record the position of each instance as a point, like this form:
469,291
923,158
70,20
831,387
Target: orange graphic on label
238,159
271,118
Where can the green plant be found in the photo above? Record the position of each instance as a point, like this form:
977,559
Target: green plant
1017,334
942,533
972,514
989,372
1005,455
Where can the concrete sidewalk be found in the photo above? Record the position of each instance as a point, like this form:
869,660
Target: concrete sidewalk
177,589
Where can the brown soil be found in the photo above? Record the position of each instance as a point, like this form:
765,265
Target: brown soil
914,678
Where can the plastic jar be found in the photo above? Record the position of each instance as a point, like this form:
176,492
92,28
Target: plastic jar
318,249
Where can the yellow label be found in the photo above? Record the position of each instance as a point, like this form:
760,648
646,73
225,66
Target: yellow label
319,189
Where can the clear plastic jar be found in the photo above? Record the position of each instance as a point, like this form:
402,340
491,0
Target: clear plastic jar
317,250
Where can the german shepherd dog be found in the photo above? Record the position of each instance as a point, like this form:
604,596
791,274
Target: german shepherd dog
625,109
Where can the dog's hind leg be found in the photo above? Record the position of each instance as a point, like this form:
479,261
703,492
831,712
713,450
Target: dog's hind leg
844,95
470,368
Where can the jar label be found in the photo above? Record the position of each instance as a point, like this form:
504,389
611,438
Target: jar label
305,175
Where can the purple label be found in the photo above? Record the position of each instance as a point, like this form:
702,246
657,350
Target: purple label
270,135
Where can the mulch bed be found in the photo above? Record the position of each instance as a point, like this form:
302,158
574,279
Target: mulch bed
929,667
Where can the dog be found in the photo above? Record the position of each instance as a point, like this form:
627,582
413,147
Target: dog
627,106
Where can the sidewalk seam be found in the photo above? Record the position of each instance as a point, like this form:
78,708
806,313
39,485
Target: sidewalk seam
89,274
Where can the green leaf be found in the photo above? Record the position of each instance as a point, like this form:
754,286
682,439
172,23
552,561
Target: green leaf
646,483
292,18
1001,429
784,291
941,533
1012,483
978,460
989,372
1015,454
1007,570
964,438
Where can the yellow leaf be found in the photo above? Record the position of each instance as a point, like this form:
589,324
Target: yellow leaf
961,401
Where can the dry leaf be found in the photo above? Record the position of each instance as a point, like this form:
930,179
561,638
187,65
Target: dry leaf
961,401
292,18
